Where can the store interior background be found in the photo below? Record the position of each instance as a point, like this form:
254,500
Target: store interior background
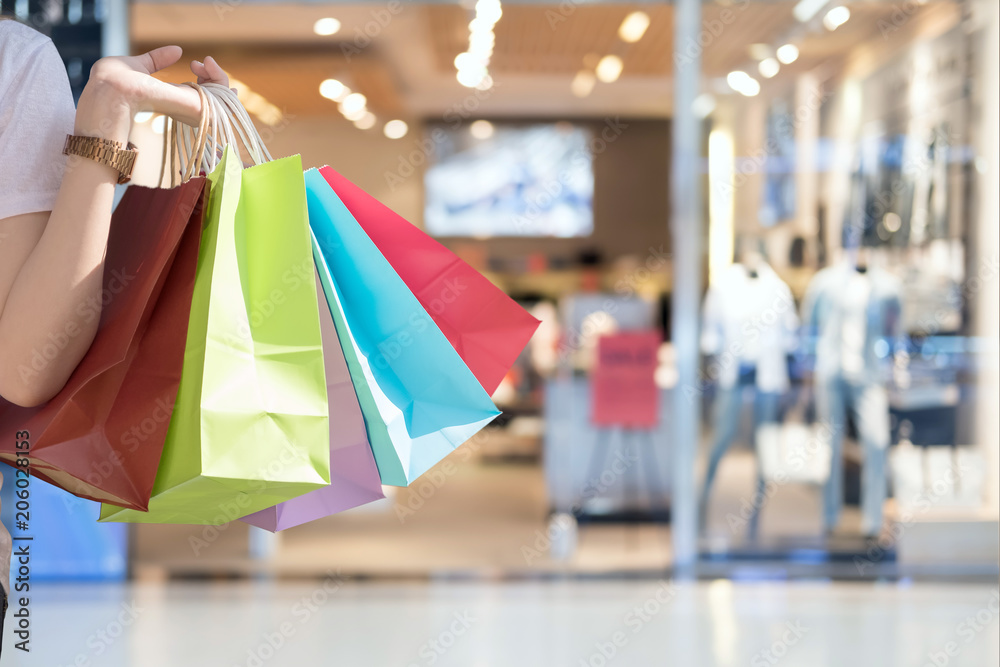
499,507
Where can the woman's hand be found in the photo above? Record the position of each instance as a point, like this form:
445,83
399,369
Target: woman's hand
121,86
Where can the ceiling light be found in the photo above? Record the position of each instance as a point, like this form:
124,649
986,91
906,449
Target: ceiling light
481,129
334,90
609,69
768,67
836,17
353,114
326,27
806,9
366,122
634,27
489,10
470,77
142,116
395,129
353,103
159,124
736,79
485,83
464,60
787,54
743,83
583,83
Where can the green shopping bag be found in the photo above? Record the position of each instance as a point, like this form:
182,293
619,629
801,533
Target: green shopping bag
250,428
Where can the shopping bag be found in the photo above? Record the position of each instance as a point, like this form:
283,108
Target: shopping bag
486,327
101,437
251,425
419,399
354,479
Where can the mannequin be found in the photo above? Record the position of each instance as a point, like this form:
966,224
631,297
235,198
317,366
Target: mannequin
749,328
853,310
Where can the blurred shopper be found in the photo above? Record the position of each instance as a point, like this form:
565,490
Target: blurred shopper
853,311
54,221
749,328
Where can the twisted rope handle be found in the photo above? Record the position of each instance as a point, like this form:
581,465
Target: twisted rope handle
230,112
182,150
223,118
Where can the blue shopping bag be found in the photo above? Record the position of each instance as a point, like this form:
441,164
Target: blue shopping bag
419,399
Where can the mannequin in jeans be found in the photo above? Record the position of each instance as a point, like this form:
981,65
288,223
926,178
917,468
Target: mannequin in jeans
853,309
749,327
53,238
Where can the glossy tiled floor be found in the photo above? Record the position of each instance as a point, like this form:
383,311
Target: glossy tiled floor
565,623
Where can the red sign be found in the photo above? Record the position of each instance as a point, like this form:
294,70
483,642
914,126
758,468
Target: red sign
624,391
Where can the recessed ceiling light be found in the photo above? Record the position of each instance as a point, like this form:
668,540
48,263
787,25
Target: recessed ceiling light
609,69
768,67
743,83
334,90
142,116
583,83
353,103
326,27
806,9
836,17
787,54
395,129
471,76
634,27
366,122
481,129
159,124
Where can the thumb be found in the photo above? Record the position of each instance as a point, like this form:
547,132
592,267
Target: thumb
157,59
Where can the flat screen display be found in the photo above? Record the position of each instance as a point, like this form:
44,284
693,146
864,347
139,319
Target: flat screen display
510,180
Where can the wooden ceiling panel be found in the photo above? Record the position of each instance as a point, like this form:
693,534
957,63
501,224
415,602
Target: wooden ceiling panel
554,39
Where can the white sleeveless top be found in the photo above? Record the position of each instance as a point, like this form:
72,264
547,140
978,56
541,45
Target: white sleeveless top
36,114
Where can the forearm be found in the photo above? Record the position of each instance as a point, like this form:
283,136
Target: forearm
53,308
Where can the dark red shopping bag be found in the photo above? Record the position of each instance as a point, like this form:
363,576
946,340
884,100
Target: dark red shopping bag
486,327
101,437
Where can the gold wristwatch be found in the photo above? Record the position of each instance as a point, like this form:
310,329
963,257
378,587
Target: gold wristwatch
112,153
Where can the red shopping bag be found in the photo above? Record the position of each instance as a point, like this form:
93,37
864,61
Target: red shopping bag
486,327
101,437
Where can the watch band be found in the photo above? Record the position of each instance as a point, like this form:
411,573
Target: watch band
105,151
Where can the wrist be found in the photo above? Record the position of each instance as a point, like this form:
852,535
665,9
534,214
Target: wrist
103,112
